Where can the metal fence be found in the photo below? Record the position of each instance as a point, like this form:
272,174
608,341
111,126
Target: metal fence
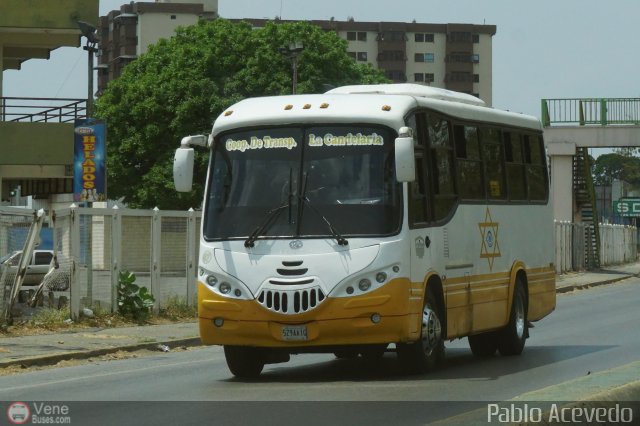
618,244
590,111
94,244
42,110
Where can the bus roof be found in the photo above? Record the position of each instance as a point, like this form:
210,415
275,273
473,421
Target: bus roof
386,104
415,90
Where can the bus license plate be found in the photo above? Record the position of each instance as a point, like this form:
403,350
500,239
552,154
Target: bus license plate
294,332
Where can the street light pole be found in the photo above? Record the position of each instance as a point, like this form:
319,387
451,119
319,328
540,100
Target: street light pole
292,52
89,31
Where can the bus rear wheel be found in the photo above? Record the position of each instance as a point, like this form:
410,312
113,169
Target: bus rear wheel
483,344
244,362
422,356
511,339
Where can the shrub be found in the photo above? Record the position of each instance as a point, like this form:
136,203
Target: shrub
133,301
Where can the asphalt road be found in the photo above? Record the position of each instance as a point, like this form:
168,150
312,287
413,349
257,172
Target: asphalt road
591,330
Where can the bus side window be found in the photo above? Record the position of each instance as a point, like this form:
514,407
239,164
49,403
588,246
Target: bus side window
515,166
535,165
493,166
442,182
417,193
468,163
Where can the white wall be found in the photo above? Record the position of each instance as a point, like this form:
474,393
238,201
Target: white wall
209,5
370,46
154,26
484,69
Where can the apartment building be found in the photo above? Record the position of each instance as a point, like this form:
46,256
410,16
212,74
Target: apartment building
452,56
127,33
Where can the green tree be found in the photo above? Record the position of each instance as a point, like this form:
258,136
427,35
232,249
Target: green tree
608,167
181,85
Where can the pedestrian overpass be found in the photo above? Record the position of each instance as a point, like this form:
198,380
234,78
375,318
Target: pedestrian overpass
571,126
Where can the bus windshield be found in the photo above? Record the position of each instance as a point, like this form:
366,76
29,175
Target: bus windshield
291,181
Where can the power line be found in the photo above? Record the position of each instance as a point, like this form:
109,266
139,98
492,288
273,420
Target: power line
80,55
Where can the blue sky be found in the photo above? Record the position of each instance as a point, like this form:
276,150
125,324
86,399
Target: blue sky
542,48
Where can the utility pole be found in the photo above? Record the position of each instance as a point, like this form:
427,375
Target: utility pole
89,31
292,52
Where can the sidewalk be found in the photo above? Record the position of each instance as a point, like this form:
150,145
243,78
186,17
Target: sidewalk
47,349
607,275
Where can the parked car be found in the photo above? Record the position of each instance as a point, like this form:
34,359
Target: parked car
36,270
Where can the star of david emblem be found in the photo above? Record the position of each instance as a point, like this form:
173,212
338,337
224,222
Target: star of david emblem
489,231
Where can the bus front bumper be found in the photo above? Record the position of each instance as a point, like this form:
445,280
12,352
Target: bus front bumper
387,315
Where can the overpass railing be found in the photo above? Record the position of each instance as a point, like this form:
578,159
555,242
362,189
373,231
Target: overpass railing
590,111
42,110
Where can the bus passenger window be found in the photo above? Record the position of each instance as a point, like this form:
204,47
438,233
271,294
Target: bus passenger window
492,156
534,157
515,167
468,163
441,167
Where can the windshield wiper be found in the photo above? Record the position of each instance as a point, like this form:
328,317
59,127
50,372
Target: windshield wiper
272,215
342,241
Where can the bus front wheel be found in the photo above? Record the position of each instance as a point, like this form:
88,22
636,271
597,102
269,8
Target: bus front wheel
511,339
244,362
423,355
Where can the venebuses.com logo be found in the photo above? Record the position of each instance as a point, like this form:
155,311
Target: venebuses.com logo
20,413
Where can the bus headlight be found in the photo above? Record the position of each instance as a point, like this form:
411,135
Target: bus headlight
381,277
364,284
224,287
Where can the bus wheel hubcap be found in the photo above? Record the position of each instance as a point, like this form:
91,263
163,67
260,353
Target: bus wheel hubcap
431,330
519,318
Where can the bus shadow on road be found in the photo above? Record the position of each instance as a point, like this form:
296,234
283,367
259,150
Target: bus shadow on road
459,364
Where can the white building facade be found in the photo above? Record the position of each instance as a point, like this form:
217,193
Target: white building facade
452,56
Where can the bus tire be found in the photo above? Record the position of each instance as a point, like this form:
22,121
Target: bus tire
483,344
244,362
346,353
423,355
511,339
373,352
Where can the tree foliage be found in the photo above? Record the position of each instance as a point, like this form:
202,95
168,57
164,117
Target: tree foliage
181,85
615,166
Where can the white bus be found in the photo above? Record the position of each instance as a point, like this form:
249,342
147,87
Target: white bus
370,217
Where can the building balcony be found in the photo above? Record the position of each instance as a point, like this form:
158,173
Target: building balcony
34,31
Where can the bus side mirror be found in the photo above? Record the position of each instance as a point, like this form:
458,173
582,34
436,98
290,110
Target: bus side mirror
405,159
183,169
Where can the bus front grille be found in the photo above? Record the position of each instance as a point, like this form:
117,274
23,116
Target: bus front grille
291,302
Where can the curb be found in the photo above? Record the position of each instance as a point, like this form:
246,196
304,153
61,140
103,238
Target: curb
599,390
53,359
571,287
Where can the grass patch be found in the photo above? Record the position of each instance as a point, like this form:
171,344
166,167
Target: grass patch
50,319
46,319
177,308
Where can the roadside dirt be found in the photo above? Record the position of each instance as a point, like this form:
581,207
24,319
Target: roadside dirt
115,356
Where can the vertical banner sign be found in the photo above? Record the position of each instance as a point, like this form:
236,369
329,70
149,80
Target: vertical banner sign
89,157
